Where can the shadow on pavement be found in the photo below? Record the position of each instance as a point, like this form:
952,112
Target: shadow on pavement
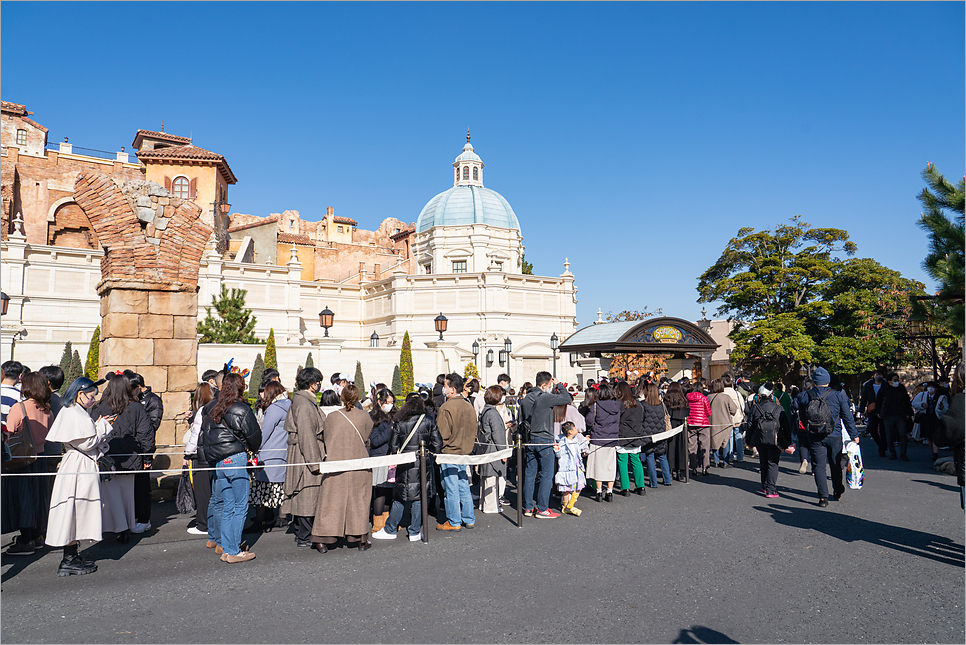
951,488
702,635
854,529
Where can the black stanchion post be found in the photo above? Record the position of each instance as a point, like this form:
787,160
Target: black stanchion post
422,490
518,438
683,449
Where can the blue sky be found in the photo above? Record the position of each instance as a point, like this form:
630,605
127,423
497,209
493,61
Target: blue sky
633,138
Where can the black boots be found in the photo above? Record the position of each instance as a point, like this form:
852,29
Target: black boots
641,491
73,565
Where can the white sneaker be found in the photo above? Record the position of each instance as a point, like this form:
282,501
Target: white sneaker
141,528
193,530
416,538
382,535
499,510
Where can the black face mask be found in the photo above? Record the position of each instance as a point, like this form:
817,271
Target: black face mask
878,379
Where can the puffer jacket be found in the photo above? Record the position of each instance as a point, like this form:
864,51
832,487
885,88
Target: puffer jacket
603,421
700,410
237,432
407,475
653,424
630,426
379,439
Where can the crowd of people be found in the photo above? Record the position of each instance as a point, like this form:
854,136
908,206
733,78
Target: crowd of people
262,467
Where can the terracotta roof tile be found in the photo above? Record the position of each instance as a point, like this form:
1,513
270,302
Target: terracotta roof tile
189,153
289,238
35,124
161,135
402,233
242,227
345,220
16,108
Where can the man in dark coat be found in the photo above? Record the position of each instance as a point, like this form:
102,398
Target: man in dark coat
537,410
142,481
867,407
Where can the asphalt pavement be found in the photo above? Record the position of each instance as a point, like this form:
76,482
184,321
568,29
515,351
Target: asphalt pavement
711,561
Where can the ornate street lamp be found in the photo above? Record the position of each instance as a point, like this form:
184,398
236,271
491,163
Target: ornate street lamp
440,321
374,340
554,343
489,358
4,303
326,318
476,351
505,354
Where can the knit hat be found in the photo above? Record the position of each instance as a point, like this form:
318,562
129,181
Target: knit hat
821,376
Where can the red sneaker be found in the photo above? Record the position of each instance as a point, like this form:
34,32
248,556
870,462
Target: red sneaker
548,514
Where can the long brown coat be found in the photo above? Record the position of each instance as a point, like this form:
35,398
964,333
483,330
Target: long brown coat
303,423
723,410
344,497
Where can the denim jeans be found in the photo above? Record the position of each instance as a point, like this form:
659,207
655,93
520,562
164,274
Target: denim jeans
739,444
228,507
652,471
459,501
396,515
725,452
544,457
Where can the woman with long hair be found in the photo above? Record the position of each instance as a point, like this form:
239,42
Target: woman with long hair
131,435
75,506
493,429
201,480
383,418
677,449
26,499
652,424
268,482
723,410
343,509
699,431
229,430
631,440
603,421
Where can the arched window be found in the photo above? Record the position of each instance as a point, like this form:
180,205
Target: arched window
180,187
476,174
466,172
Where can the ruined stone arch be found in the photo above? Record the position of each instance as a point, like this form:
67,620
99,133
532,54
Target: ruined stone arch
69,226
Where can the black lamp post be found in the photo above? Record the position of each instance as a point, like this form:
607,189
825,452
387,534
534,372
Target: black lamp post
476,352
374,340
553,346
507,347
326,318
440,321
4,303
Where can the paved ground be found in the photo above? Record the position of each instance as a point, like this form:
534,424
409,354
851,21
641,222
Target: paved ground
710,561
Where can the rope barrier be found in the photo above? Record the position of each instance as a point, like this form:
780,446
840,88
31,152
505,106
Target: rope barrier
474,460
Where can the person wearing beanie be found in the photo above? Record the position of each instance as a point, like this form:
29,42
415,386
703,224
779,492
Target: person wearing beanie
825,443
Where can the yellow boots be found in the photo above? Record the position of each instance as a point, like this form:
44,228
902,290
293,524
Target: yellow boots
569,506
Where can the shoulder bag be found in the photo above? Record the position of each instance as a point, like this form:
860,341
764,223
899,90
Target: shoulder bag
21,444
392,469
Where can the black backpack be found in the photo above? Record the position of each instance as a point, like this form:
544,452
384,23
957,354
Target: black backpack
766,424
523,424
818,416
479,448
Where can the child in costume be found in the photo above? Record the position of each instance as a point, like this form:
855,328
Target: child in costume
570,477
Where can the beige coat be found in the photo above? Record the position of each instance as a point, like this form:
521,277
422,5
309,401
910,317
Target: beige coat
722,419
303,423
344,498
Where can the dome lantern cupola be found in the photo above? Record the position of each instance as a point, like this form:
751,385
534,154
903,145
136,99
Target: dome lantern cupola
468,166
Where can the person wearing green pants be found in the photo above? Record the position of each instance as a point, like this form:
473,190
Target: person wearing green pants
630,440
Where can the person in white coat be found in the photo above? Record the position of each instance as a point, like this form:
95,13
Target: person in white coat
75,504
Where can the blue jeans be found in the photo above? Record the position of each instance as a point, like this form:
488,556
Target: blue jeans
652,471
396,514
543,457
725,452
739,444
228,507
459,501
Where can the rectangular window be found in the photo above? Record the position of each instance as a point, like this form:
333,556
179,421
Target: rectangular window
291,223
459,266
21,137
428,268
340,229
498,266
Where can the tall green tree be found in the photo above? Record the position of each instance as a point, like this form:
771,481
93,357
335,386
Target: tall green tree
945,261
271,355
396,386
527,267
360,380
406,379
309,362
93,355
234,322
65,361
255,378
75,369
797,299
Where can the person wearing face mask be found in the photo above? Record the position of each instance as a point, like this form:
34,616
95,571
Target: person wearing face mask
75,504
383,419
867,408
537,408
893,405
929,407
457,425
303,423
493,429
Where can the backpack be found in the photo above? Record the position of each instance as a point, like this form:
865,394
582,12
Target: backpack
818,416
765,424
481,445
523,425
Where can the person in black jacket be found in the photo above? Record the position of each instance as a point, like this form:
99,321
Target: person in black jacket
867,407
142,482
383,412
770,431
631,440
406,435
131,435
894,406
228,430
537,409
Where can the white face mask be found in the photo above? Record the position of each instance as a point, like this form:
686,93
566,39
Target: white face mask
386,407
894,383
931,390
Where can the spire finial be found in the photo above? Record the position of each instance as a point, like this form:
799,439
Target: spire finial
162,125
467,134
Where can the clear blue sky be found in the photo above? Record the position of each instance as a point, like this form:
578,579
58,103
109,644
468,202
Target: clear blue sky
634,139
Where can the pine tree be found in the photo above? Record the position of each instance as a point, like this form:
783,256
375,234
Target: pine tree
406,379
396,386
526,267
308,360
271,356
75,369
65,361
93,355
255,378
360,381
946,261
234,324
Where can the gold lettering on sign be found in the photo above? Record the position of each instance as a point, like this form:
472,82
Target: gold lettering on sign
667,335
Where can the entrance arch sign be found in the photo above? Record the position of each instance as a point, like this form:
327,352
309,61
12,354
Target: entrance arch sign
662,335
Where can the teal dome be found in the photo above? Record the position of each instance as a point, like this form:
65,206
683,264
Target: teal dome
463,205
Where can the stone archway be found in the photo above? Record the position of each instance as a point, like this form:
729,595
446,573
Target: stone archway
68,225
153,245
